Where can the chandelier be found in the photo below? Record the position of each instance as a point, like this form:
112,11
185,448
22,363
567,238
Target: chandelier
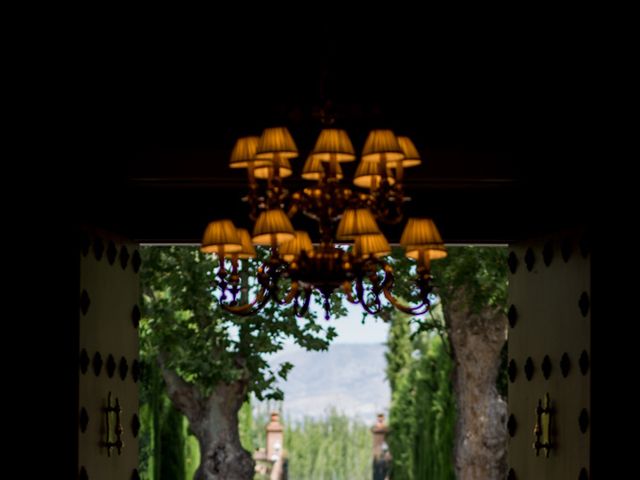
296,267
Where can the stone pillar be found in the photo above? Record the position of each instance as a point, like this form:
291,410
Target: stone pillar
380,430
271,462
275,437
381,455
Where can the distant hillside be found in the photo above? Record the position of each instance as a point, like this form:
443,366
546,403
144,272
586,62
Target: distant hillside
349,377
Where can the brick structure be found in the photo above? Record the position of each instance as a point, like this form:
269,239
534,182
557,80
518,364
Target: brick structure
271,463
381,454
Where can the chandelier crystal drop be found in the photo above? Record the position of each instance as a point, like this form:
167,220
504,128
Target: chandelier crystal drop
297,267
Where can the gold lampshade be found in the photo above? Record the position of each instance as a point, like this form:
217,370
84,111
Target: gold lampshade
244,152
371,245
420,232
291,249
263,171
276,142
221,234
355,222
247,247
432,253
368,175
333,142
382,143
272,224
411,155
313,169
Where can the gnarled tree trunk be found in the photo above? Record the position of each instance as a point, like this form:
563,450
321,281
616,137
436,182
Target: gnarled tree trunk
481,440
214,422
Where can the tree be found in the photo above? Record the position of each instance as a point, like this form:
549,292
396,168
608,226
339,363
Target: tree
212,360
172,446
472,283
401,375
434,410
422,411
399,348
471,290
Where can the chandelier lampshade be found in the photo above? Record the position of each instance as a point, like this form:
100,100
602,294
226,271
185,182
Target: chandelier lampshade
314,170
276,142
221,236
368,175
301,242
434,253
421,236
248,250
355,222
376,245
334,143
420,232
243,154
382,145
410,152
273,226
264,171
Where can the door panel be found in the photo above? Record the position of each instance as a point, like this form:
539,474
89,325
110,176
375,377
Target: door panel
549,352
108,349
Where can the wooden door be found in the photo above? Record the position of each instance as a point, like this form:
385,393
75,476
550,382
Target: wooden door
550,354
109,370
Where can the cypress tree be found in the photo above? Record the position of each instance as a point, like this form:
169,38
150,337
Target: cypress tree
172,444
401,377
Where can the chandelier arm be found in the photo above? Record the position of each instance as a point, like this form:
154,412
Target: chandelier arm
372,310
301,310
274,276
387,200
220,281
253,198
294,205
420,309
234,279
267,280
348,291
291,294
262,297
388,283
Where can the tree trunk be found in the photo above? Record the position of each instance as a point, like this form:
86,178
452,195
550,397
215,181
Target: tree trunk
481,437
214,422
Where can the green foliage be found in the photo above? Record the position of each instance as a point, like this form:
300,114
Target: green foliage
402,422
167,451
145,443
400,375
422,413
152,404
477,274
335,447
172,445
399,348
245,427
202,342
174,454
434,411
191,451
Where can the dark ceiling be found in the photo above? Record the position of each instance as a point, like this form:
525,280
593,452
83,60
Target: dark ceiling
496,115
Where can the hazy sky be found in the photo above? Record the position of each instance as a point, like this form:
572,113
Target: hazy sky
351,330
